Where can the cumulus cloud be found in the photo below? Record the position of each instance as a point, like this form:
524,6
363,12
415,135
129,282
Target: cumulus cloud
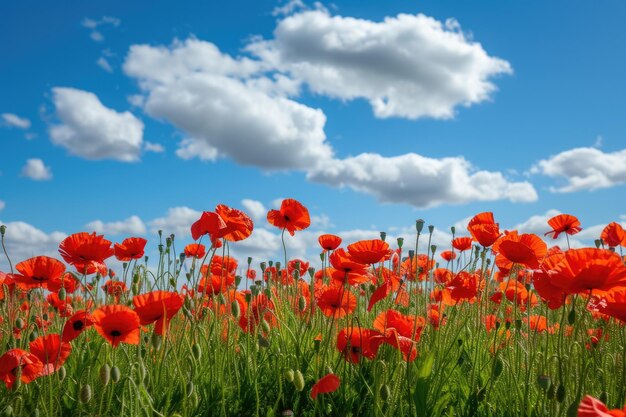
131,226
13,120
24,241
35,169
420,181
154,147
201,91
407,66
255,209
178,221
584,169
2,205
92,131
104,64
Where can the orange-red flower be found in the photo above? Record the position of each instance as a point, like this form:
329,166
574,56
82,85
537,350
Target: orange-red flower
448,255
592,407
368,251
209,223
291,216
337,302
464,286
195,250
484,229
563,223
614,235
18,361
326,384
159,307
347,269
612,303
114,288
117,324
354,342
76,324
51,351
329,242
86,252
238,225
524,249
40,270
130,248
462,243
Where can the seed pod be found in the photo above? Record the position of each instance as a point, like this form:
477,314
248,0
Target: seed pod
33,335
543,381
156,341
385,392
302,303
196,351
237,280
19,323
571,317
105,374
115,374
85,394
560,393
498,367
298,380
173,282
62,294
289,375
221,299
235,309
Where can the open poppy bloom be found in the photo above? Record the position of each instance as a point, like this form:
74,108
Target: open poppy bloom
195,250
592,407
326,384
16,361
614,235
464,286
329,242
612,304
524,249
462,243
86,252
117,324
484,229
347,269
159,307
51,351
291,216
209,223
336,302
448,255
76,324
563,223
368,252
38,271
238,225
354,342
130,248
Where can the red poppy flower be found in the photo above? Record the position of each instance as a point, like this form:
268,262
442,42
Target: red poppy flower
38,271
464,286
117,324
209,223
17,361
612,304
159,307
238,225
406,326
379,293
261,308
524,249
130,248
484,229
368,252
326,384
582,270
592,407
114,288
195,250
329,242
563,223
614,235
347,269
416,267
354,342
336,302
76,324
551,294
291,216
86,252
462,243
448,255
51,351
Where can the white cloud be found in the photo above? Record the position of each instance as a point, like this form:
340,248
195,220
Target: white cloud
35,169
201,91
420,181
154,147
255,209
584,169
178,221
13,120
24,241
2,205
104,64
131,226
90,130
288,8
92,24
408,66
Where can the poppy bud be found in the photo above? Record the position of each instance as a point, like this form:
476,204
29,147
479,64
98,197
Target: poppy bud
188,276
156,341
3,230
453,230
62,372
604,397
385,392
298,380
116,374
268,293
33,335
263,342
598,243
237,280
419,225
560,393
383,236
196,351
235,309
105,374
302,303
289,375
19,323
400,242
543,381
265,326
221,299
498,367
254,290
433,248
173,282
62,294
411,254
311,271
431,228
571,317
135,288
322,256
263,265
85,394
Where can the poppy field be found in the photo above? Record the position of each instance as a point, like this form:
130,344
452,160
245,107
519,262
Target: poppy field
497,323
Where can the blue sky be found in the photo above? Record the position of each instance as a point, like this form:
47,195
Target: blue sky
128,118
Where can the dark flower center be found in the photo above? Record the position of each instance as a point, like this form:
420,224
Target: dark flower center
78,325
116,333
